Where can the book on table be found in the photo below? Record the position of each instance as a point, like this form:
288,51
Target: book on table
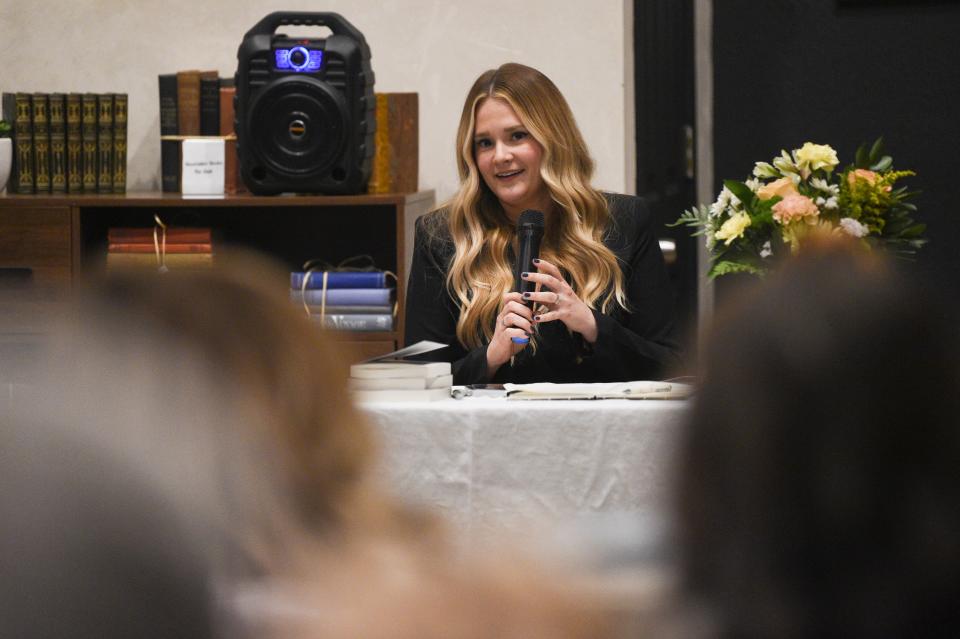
399,395
394,378
613,390
400,383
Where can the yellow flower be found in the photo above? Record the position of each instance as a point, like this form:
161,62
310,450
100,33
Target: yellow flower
733,228
782,187
816,156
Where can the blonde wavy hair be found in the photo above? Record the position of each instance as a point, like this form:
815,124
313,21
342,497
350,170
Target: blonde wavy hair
482,232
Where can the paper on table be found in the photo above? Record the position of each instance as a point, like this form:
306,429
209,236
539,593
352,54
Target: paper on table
615,390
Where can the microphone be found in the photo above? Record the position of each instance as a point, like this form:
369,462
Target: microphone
529,234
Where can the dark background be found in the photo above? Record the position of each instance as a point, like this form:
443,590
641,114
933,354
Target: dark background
837,72
844,73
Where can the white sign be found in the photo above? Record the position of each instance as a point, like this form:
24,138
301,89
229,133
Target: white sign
202,167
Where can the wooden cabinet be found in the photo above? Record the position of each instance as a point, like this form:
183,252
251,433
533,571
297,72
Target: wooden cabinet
48,241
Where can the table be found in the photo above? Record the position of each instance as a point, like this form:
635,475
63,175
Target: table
489,464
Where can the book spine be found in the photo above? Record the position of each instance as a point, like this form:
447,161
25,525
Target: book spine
144,235
396,144
188,103
88,135
355,322
340,279
16,111
339,309
39,104
181,260
120,142
209,105
74,144
105,143
231,169
169,149
144,247
344,296
58,143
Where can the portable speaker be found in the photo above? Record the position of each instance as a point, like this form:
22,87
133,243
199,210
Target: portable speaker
305,110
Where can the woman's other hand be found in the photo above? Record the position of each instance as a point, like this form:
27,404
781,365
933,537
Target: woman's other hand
515,321
560,301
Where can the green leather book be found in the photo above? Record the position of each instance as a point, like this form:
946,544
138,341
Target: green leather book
58,143
74,144
40,115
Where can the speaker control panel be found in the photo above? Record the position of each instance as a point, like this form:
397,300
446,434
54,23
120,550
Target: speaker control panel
298,59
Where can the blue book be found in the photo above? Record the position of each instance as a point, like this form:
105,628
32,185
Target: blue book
344,296
355,322
340,279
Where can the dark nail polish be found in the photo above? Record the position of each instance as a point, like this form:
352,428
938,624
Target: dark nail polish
536,261
526,295
524,274
536,318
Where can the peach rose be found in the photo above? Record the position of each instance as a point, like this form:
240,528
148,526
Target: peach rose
782,187
867,175
862,174
795,207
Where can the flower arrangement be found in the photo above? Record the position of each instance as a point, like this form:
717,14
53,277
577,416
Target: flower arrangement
800,194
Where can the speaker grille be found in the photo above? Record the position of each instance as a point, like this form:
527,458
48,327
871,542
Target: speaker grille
258,71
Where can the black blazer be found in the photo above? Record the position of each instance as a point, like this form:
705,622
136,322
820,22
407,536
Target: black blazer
631,345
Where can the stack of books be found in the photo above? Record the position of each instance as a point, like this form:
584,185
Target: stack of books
400,381
345,300
174,248
196,103
67,142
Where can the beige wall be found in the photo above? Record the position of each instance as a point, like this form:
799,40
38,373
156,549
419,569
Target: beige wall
433,47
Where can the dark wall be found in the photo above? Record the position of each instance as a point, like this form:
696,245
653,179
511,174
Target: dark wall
792,71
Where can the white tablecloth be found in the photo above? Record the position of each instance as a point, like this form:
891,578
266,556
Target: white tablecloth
490,464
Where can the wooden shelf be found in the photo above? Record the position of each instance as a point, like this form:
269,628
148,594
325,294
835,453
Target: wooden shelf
55,238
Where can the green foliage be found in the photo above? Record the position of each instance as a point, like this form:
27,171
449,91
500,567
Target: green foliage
726,267
5,129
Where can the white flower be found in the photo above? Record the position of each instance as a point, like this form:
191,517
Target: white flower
831,203
765,170
785,163
853,228
753,184
825,187
765,250
726,200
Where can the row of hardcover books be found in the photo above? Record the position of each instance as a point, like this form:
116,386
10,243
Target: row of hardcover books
196,103
345,300
68,143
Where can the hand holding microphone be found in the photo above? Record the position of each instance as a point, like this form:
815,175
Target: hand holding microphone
515,321
529,234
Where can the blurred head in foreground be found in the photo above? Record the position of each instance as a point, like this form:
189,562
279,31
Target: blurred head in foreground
90,548
818,480
216,372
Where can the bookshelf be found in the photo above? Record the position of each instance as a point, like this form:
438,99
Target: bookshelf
49,241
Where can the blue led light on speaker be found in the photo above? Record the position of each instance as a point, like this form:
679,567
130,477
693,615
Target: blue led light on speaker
312,59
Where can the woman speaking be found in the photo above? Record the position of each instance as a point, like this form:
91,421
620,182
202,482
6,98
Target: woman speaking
601,307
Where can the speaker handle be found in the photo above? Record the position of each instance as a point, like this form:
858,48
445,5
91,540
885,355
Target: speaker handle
334,21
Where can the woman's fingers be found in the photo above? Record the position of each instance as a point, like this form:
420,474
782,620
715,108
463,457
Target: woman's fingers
514,320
